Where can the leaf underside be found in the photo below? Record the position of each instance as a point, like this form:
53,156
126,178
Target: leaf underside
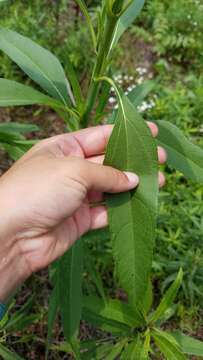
132,215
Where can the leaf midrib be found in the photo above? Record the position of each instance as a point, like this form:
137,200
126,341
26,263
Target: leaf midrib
40,70
125,120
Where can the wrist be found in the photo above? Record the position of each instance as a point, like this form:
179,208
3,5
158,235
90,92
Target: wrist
13,267
13,270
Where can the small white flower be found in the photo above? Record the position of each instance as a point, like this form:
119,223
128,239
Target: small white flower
140,80
112,100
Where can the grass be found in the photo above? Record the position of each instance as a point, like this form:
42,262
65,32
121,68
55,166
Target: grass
171,52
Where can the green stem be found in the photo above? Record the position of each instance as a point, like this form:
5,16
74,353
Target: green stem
100,66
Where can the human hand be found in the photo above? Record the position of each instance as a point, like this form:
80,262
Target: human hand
46,200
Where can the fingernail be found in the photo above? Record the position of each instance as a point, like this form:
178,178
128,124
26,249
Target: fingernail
133,178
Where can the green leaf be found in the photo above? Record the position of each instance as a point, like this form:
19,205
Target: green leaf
8,355
14,152
188,344
18,127
136,96
114,309
148,298
168,298
72,76
167,345
21,318
132,215
10,137
140,92
127,19
133,350
38,63
94,273
84,9
146,346
183,155
13,93
70,294
98,353
115,352
96,313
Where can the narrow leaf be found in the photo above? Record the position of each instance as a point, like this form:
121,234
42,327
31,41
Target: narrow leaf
8,355
13,93
84,9
14,152
132,215
98,314
70,296
38,63
114,310
183,155
146,347
167,345
148,298
127,18
99,352
18,127
22,318
168,298
133,350
136,96
188,344
72,76
115,352
140,92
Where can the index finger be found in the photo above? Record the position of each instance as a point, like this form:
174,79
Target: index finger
94,140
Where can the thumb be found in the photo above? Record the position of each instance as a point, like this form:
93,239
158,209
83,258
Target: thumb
106,178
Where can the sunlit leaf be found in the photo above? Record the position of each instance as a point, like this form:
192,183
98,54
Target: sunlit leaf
188,344
168,298
116,350
102,315
38,63
134,350
113,309
167,345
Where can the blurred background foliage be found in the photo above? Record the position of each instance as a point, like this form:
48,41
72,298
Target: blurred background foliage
165,45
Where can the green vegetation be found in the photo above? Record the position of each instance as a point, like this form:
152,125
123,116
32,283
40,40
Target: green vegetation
165,46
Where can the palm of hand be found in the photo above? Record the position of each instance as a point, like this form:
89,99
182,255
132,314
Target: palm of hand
54,185
55,222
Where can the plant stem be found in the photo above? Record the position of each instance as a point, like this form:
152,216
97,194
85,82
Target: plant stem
100,65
